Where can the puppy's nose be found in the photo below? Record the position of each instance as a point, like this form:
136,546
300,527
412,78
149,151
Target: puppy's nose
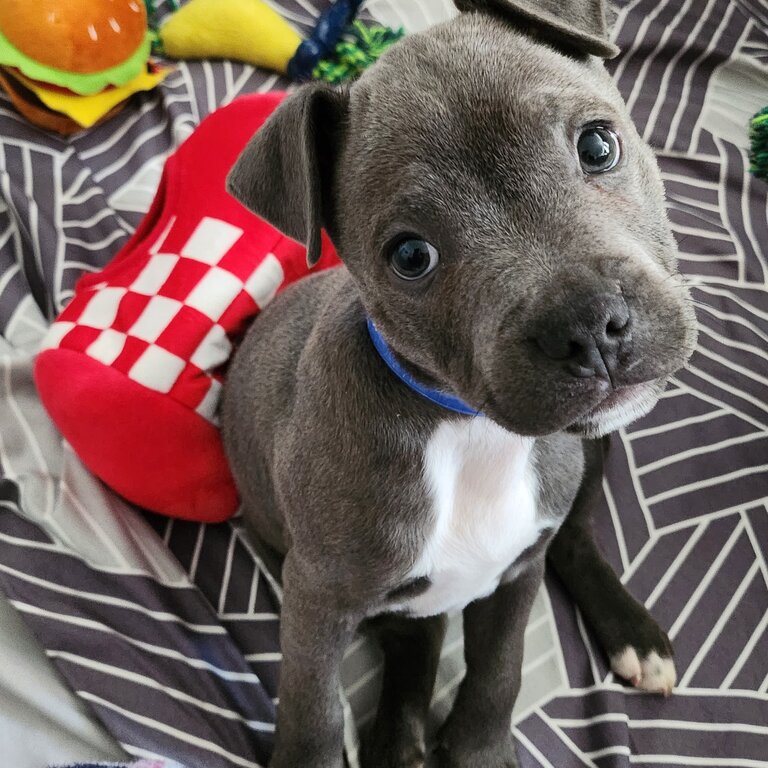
586,335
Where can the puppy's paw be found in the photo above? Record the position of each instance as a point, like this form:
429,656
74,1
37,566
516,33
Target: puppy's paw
652,672
390,760
454,754
378,752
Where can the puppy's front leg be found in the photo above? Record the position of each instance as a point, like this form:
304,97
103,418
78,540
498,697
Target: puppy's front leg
478,730
638,649
314,632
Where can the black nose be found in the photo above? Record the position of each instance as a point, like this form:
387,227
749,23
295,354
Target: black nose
587,335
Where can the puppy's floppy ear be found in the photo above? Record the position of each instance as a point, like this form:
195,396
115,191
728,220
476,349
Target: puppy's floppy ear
576,24
285,173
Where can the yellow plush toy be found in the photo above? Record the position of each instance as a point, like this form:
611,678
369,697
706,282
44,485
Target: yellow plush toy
246,30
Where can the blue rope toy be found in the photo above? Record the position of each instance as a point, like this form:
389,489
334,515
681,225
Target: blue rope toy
328,31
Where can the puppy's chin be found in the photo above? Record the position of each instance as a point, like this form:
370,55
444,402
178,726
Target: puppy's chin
610,411
620,408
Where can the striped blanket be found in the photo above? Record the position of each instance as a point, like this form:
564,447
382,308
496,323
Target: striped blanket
137,764
168,631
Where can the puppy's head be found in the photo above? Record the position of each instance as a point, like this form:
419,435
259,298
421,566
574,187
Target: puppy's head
503,219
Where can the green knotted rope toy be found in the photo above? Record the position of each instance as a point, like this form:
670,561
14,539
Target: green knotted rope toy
360,47
151,6
758,133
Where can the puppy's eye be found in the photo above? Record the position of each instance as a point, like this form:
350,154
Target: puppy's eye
413,258
599,149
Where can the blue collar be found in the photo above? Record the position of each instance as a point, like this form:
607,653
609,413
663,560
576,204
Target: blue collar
442,399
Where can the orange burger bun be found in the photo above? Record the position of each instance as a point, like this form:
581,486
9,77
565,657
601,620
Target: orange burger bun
78,49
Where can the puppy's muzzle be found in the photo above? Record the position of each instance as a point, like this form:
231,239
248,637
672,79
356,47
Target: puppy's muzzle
590,336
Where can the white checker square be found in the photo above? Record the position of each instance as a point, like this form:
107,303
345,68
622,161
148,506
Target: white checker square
107,348
214,293
157,270
214,349
160,242
210,403
265,281
211,240
157,369
101,310
155,318
55,334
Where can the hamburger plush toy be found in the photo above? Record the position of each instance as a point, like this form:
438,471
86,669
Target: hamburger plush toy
68,64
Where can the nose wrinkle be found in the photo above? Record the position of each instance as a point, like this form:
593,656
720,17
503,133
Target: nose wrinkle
609,367
593,357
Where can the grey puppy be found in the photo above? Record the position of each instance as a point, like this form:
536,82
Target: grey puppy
502,226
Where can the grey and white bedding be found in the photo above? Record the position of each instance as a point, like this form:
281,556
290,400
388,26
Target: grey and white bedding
167,631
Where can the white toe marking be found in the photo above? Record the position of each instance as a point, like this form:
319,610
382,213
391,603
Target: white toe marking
653,673
627,665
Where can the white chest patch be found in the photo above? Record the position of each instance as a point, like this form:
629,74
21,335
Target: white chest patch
484,492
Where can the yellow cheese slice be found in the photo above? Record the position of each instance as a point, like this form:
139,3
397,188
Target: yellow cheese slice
88,110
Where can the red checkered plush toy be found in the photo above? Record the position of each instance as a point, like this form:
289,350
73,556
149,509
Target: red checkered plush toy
131,370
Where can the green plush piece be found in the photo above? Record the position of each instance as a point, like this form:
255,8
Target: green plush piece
758,133
152,20
84,84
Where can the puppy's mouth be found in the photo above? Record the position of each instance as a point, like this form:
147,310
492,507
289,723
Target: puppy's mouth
619,407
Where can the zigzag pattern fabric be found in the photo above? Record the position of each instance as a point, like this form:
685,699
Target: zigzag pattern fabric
168,630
